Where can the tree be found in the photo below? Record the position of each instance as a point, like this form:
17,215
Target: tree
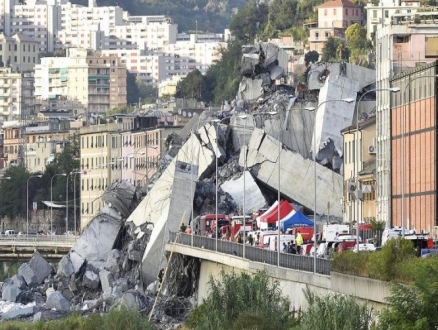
13,191
231,295
281,13
334,50
249,22
132,91
192,86
311,57
356,36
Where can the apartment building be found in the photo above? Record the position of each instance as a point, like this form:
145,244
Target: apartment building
10,95
408,42
13,142
360,169
413,149
381,13
19,52
96,81
334,17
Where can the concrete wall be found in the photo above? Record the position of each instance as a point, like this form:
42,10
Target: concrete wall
293,282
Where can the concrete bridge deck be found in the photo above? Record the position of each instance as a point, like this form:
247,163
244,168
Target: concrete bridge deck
22,247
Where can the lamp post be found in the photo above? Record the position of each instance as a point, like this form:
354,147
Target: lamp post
147,163
356,165
74,200
347,100
245,117
27,202
403,151
216,123
51,202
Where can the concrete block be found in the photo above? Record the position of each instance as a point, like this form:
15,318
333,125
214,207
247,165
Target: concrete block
10,292
41,268
112,260
106,280
76,260
65,266
129,299
28,274
49,291
90,280
18,281
254,198
57,301
17,313
98,238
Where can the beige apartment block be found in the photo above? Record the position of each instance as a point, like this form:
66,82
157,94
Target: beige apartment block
19,52
96,81
13,141
360,169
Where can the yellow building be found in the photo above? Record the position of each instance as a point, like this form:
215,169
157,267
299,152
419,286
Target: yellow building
363,163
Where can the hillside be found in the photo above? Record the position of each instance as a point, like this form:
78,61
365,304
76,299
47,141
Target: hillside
211,15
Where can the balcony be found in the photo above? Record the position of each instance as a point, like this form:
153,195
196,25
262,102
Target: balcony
376,20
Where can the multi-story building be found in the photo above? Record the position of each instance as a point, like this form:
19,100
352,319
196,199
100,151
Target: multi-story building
43,143
19,52
414,131
334,17
10,95
408,42
381,13
13,142
360,169
96,81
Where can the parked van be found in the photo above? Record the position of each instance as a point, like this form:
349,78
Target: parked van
10,232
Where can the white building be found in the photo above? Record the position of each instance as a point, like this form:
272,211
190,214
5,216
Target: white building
381,14
408,42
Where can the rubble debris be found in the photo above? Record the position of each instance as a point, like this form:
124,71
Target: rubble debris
16,313
18,281
106,280
40,267
90,279
28,274
58,302
10,292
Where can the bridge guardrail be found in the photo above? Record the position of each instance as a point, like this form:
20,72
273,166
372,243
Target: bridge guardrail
291,261
38,238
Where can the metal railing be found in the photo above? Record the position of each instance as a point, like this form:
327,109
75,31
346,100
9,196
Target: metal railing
287,260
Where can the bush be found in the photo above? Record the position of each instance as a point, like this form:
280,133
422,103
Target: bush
388,264
349,262
233,297
335,312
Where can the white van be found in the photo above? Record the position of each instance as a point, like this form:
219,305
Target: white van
10,232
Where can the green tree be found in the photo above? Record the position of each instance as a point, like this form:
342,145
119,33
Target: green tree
193,86
13,192
334,50
356,36
148,93
231,295
132,91
281,14
335,312
249,22
311,57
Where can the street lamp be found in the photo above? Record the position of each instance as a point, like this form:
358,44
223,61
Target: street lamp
356,165
245,117
347,100
216,123
51,202
147,162
403,150
27,202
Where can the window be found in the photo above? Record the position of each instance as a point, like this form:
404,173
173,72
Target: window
334,11
386,13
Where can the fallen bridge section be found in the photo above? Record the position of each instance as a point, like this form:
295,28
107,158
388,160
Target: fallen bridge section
296,174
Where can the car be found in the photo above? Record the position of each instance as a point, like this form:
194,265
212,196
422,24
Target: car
10,232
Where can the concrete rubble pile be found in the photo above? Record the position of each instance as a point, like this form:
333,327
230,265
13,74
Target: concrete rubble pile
101,271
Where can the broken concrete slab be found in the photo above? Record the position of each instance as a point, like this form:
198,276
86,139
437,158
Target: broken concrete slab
98,238
41,268
10,292
76,260
112,261
57,301
18,281
49,291
254,199
90,280
16,313
295,172
106,280
28,274
65,267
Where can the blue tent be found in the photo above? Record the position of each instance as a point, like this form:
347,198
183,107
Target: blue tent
296,220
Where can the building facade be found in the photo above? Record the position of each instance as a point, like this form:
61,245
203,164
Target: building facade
414,150
415,43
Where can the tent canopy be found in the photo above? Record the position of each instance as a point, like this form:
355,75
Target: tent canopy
266,213
297,220
272,217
